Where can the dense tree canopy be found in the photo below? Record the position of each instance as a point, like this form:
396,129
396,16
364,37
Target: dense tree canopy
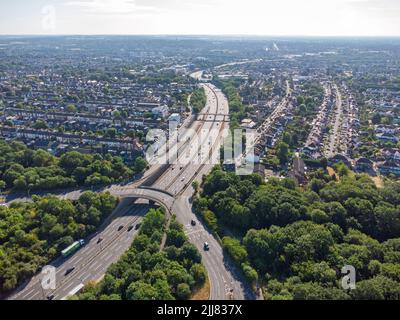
25,169
31,234
296,240
146,273
198,100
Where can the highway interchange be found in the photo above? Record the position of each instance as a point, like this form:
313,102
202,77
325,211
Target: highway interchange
172,189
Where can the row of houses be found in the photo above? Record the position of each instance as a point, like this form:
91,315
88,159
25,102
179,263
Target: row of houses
127,145
390,165
85,118
312,147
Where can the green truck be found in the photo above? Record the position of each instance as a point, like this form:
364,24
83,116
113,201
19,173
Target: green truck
72,248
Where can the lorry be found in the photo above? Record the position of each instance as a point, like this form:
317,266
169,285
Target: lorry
72,248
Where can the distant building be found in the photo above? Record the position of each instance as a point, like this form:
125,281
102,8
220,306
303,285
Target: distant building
147,105
387,137
299,170
310,149
175,117
390,167
259,169
160,112
364,164
340,158
248,124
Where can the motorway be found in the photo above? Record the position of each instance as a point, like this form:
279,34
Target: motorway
90,262
225,280
197,154
174,185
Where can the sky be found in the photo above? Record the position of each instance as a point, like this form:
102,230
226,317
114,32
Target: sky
205,17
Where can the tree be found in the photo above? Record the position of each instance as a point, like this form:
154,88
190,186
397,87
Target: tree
71,108
190,253
300,100
199,274
141,290
40,124
117,114
250,273
387,221
378,288
140,165
196,186
176,238
287,138
314,291
319,216
341,169
283,153
183,291
42,158
163,290
235,250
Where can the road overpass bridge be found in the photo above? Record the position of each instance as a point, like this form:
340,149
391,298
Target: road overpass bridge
213,118
154,195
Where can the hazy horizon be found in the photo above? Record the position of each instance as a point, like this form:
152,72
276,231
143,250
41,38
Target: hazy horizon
284,18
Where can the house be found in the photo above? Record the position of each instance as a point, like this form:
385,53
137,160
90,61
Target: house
160,112
340,158
175,117
248,124
299,171
363,164
259,169
387,137
390,167
391,154
310,149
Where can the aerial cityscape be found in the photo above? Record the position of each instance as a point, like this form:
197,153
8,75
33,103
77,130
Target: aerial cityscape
198,167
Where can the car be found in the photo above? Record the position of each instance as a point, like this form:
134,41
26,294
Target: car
130,228
120,228
138,226
99,240
69,271
206,246
50,297
193,223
